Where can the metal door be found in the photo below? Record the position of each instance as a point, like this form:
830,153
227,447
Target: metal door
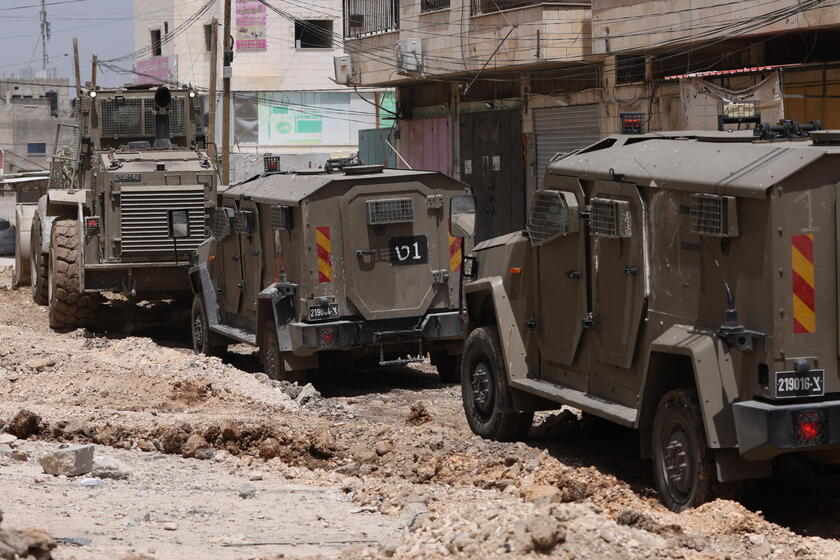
492,163
374,148
427,144
231,269
563,129
251,251
393,242
618,270
563,306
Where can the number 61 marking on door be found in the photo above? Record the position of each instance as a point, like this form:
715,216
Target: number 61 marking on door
411,249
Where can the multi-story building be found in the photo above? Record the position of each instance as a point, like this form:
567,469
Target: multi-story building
30,112
489,90
284,100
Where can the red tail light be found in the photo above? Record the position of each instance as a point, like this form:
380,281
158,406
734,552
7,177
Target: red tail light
810,427
327,336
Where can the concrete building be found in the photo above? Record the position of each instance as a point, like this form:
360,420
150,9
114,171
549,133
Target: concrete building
30,112
285,101
489,90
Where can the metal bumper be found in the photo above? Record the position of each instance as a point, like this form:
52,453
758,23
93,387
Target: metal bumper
766,430
158,277
347,334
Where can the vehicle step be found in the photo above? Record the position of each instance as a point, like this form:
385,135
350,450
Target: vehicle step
236,334
619,413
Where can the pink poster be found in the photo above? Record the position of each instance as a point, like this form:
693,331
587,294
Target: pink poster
250,25
153,70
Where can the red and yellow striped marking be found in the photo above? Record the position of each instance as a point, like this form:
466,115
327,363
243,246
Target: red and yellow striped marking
804,307
454,253
324,245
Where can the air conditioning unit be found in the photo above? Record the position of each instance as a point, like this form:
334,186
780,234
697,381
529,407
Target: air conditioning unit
409,55
344,71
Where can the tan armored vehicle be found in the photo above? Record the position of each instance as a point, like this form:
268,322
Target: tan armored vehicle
133,158
682,285
316,267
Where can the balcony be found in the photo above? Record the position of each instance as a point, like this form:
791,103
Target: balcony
478,7
433,5
363,18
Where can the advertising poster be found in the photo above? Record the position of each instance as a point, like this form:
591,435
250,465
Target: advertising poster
153,70
250,25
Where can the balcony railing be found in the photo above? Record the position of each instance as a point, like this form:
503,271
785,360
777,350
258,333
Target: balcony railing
490,6
368,17
432,5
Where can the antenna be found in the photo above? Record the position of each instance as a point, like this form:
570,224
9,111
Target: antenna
45,37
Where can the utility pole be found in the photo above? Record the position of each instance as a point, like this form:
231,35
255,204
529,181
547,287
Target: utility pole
214,64
93,72
45,36
76,67
226,74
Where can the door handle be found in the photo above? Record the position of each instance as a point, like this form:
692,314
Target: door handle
631,271
574,274
365,252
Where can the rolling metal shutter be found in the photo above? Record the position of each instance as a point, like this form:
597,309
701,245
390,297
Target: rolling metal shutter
562,129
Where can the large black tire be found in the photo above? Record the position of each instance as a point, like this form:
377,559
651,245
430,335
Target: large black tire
448,366
683,465
38,267
272,359
204,341
69,307
485,391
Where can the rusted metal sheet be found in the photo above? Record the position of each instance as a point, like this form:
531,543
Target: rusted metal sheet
427,144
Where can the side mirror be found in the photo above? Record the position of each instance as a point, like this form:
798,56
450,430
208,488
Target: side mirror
462,216
179,224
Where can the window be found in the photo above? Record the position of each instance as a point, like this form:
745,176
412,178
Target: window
36,149
366,17
157,45
432,5
208,37
629,68
313,33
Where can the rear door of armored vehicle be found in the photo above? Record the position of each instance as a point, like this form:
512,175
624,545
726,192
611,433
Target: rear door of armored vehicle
396,249
592,288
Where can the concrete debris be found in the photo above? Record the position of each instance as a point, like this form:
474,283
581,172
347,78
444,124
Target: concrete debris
307,394
170,526
92,482
107,467
7,439
71,461
255,475
247,491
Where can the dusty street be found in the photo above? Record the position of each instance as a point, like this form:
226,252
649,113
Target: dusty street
214,461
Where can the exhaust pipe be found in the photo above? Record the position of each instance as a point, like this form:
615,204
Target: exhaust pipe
163,99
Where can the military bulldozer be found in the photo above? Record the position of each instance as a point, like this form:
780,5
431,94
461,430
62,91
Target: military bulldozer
318,268
132,157
685,285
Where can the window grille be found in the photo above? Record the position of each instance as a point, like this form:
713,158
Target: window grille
553,213
610,218
390,211
714,215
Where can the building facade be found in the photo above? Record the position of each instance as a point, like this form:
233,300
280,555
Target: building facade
284,100
489,90
30,111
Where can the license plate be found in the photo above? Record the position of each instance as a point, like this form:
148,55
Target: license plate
323,312
791,384
410,249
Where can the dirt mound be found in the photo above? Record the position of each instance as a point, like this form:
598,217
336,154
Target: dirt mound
26,543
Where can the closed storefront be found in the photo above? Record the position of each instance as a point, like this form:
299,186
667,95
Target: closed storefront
427,144
562,129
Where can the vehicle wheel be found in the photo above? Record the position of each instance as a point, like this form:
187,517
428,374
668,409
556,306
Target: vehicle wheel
448,366
204,341
69,307
38,264
272,358
485,391
683,465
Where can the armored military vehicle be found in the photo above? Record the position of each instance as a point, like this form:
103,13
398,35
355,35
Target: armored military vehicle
132,158
357,266
685,285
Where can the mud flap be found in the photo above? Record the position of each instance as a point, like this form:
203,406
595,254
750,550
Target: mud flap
24,213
